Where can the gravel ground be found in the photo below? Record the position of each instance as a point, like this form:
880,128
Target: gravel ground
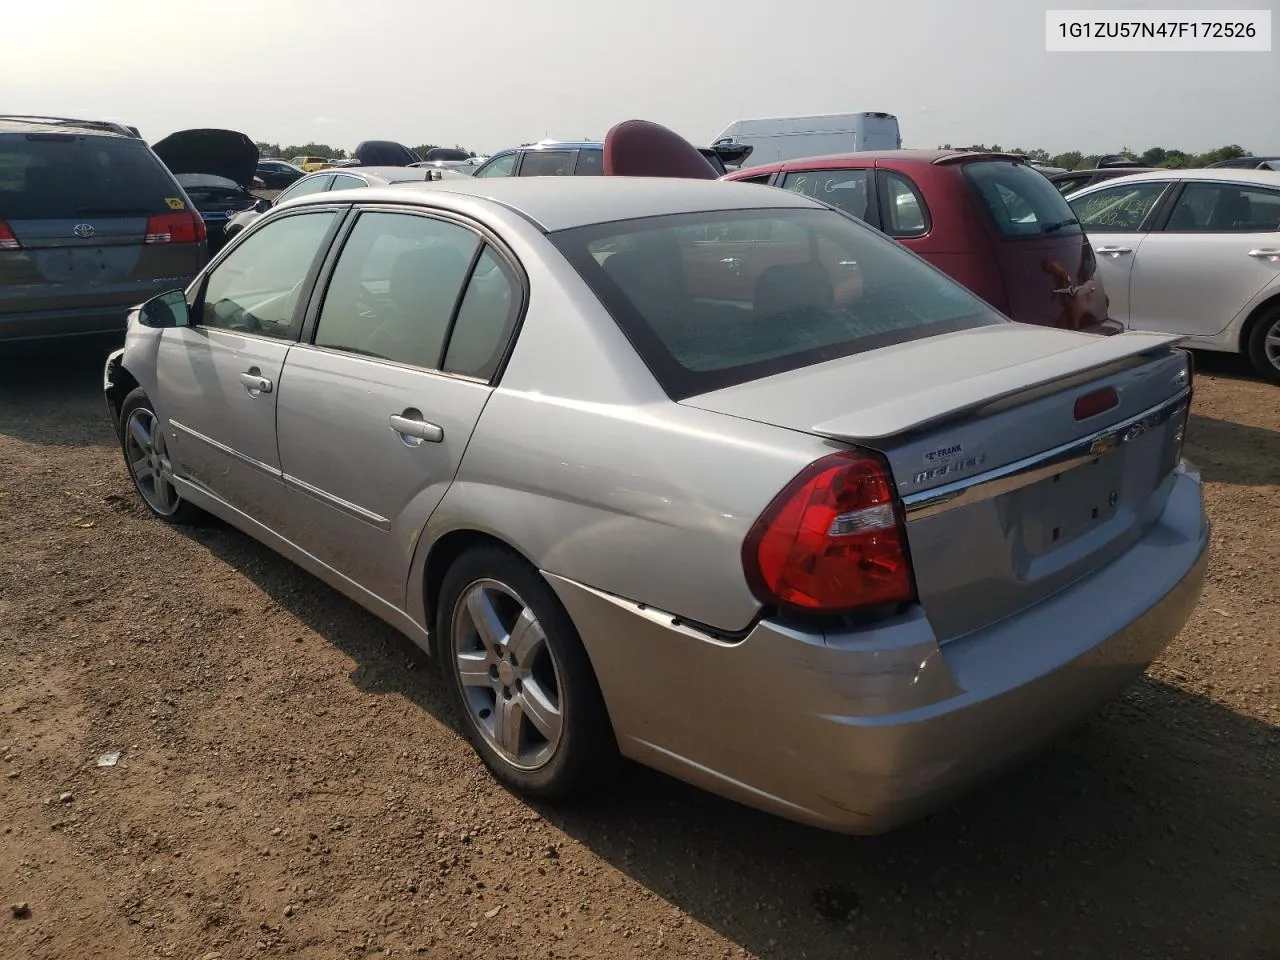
289,784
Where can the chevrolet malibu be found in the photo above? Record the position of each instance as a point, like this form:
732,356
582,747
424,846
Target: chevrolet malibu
822,533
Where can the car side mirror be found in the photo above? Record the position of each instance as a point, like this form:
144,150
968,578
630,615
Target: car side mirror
167,310
262,206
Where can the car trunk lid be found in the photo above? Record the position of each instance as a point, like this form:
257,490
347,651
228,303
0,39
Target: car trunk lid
1009,493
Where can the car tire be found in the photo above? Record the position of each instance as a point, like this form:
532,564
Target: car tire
1268,326
148,464
529,703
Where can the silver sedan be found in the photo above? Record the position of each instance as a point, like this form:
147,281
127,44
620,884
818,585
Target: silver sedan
708,476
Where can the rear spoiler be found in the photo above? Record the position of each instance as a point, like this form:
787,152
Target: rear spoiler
952,401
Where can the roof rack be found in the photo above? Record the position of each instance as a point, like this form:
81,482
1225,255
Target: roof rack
106,125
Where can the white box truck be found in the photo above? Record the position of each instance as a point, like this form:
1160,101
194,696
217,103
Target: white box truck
788,138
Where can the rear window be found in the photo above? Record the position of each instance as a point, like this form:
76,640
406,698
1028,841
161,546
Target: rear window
63,176
1022,202
713,299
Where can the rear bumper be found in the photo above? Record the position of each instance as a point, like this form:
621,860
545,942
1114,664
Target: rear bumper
861,731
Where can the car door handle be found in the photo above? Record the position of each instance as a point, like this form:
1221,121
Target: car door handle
1116,251
1263,254
255,382
416,429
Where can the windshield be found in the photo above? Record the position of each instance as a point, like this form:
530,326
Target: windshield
719,298
1022,202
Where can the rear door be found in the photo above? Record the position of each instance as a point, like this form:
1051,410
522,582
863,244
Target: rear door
221,375
78,207
1117,218
1217,247
376,411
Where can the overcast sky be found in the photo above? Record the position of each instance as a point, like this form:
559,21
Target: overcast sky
492,73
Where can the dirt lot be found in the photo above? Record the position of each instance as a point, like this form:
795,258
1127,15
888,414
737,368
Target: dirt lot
289,784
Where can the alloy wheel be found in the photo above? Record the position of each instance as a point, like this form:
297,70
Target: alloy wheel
507,673
144,449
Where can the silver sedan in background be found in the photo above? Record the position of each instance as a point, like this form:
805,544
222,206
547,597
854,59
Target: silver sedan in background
712,477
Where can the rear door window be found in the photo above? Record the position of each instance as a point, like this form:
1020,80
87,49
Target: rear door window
1122,208
344,181
547,163
1225,208
1021,201
60,176
396,287
845,189
590,163
503,166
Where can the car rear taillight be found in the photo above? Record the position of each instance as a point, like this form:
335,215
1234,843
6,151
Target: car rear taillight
8,241
833,541
185,227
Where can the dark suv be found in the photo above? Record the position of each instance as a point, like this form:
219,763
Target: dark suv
91,223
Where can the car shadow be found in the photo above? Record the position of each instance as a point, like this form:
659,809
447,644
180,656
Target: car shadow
1144,833
56,382
1227,366
1234,453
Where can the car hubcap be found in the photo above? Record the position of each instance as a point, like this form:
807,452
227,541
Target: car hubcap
1271,344
149,462
509,677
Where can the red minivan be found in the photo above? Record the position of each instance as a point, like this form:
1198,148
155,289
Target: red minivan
989,220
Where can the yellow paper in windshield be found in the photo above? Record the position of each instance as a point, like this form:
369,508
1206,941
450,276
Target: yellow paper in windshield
175,203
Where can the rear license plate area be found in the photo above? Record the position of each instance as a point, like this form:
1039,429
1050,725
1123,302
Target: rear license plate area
1060,508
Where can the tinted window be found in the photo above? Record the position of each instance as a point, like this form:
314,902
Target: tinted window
344,181
846,189
590,163
1220,207
499,167
713,299
62,176
1118,209
485,320
903,213
256,288
1022,202
301,188
395,287
547,163
761,180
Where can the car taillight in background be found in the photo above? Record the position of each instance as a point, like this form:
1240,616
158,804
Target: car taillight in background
833,541
8,241
185,227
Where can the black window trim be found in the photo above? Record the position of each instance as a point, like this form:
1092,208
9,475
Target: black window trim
882,200
196,308
488,241
1161,223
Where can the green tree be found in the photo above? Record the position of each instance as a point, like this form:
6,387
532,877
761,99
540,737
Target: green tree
1070,160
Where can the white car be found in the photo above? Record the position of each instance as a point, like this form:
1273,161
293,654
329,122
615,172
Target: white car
1192,252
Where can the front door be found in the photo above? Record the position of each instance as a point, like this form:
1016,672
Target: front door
376,412
1116,218
222,373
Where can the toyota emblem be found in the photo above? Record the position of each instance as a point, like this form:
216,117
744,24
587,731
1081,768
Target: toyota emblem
83,230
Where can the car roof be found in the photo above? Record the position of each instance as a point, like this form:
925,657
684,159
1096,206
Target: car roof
562,203
1267,178
861,158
